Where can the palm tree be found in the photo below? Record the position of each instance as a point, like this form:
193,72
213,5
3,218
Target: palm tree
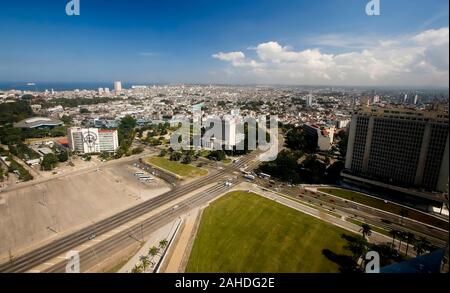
163,243
422,246
153,251
357,247
145,262
366,230
136,269
400,237
394,234
410,238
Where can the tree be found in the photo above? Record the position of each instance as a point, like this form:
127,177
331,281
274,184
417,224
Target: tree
163,153
67,120
365,230
145,262
175,156
49,162
153,251
63,157
137,150
410,238
137,269
218,155
357,246
163,243
284,167
126,134
394,234
422,246
14,112
401,237
84,111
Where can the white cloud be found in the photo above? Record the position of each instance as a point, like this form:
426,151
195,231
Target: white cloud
237,59
421,59
148,54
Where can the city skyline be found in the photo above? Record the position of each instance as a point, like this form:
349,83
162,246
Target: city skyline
222,43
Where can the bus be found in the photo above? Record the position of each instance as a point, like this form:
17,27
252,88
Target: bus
249,177
265,176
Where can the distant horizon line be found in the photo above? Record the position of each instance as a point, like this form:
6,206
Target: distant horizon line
23,83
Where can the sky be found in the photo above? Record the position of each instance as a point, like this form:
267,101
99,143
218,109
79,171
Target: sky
295,42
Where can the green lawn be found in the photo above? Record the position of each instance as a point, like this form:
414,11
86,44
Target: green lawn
177,168
243,232
390,207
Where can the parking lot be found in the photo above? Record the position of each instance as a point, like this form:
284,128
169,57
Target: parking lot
49,209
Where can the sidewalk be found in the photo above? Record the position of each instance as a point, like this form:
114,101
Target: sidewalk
158,235
176,259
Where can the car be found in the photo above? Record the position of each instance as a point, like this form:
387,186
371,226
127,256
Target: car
92,236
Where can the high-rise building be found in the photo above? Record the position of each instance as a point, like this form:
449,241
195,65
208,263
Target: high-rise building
117,86
400,148
229,132
376,99
309,101
92,140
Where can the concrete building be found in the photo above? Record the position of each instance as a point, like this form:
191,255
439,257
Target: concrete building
399,148
229,132
117,86
323,135
309,101
39,123
92,140
342,123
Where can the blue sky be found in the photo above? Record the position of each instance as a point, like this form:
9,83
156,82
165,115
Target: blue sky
176,41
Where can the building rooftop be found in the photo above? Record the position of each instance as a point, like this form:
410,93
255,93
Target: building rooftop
38,122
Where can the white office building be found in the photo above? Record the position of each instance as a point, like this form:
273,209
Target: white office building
92,140
117,86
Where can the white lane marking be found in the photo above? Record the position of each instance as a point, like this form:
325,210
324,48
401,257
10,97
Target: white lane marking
49,264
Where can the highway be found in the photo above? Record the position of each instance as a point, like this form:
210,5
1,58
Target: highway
64,244
376,217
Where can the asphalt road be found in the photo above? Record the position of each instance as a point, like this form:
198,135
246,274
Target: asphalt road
64,244
376,217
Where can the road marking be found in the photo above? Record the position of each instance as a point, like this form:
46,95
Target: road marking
107,235
49,264
62,257
34,271
85,245
96,240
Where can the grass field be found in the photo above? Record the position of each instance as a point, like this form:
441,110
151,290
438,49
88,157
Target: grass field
243,232
390,207
177,168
